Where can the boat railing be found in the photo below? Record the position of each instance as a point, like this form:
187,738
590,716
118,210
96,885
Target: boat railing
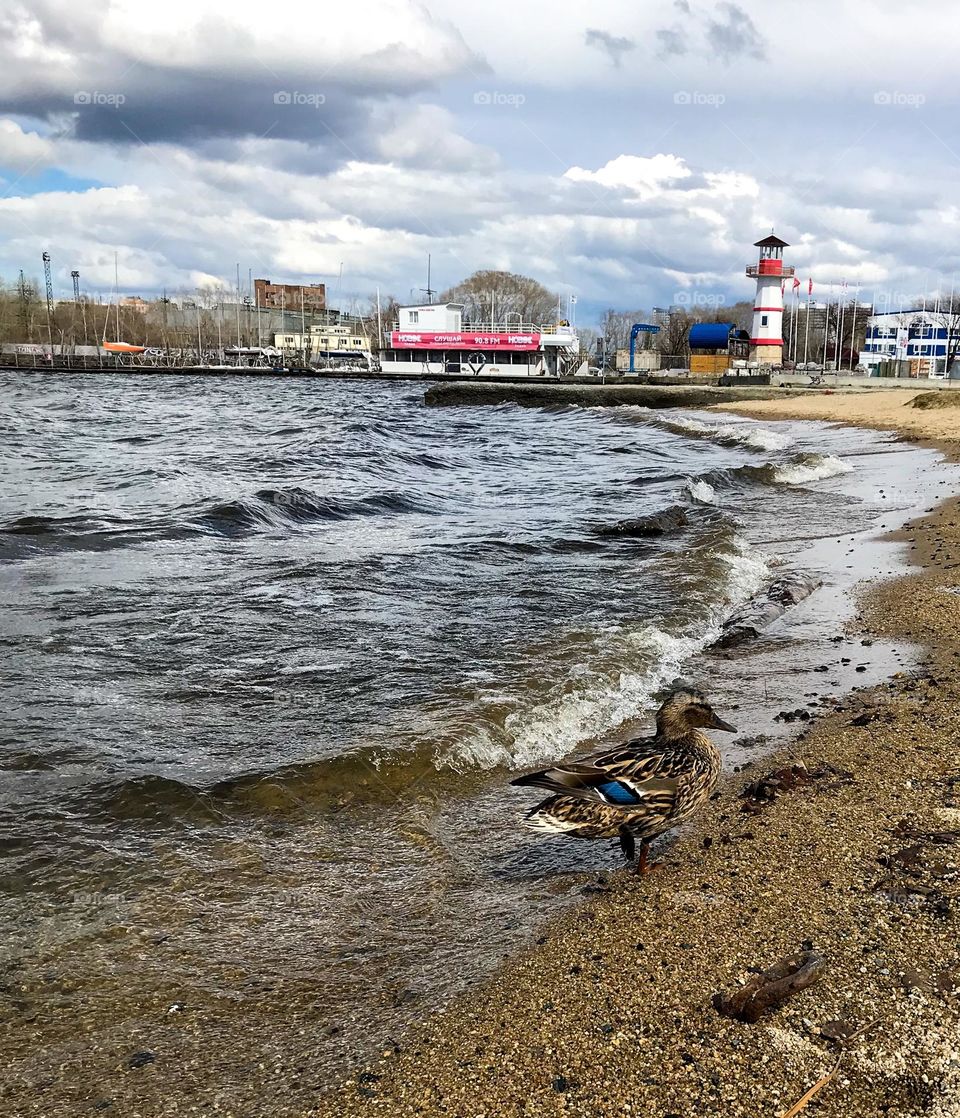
513,326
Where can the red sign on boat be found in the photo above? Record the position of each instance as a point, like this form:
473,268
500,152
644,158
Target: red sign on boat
404,339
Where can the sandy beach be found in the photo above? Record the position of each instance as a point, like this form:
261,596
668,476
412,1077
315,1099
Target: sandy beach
888,410
611,1012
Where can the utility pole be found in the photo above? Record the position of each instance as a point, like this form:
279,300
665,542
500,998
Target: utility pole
49,281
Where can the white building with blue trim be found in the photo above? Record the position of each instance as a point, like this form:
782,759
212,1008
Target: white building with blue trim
925,338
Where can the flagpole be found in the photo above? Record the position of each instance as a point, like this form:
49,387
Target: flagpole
951,329
826,330
838,348
793,339
806,324
853,326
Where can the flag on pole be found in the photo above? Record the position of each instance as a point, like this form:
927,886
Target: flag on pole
810,286
783,287
796,282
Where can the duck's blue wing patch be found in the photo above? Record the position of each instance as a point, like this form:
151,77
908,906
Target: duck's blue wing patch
616,793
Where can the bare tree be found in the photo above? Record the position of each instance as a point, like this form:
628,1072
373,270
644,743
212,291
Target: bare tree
948,318
673,337
489,295
389,312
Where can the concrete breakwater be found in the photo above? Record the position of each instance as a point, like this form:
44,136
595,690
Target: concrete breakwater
598,395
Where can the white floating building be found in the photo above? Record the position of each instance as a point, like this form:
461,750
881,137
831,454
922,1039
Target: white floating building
431,339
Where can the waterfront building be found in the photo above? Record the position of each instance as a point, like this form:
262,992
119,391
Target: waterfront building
310,297
922,342
328,343
716,346
432,339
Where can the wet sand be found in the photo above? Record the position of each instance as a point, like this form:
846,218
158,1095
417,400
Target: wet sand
611,1011
888,410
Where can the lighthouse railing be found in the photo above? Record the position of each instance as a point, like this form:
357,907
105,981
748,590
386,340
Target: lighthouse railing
755,270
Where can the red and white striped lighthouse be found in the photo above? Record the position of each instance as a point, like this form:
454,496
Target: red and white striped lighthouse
766,337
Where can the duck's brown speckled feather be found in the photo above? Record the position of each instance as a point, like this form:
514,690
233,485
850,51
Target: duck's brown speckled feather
691,761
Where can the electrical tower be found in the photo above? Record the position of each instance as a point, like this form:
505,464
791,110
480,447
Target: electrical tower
49,280
23,295
75,276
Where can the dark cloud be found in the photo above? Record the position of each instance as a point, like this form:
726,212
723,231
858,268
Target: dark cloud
227,83
615,46
197,108
671,42
735,35
729,33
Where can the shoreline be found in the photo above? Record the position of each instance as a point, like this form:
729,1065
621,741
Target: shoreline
610,1012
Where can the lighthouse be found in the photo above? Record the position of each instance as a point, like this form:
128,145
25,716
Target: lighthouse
766,337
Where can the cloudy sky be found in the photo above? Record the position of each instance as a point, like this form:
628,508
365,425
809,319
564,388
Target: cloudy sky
628,153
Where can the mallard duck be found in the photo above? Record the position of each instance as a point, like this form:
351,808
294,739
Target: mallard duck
639,789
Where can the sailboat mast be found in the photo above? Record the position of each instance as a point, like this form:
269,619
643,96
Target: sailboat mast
116,288
238,310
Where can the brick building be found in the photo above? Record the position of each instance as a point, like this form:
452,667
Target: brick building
277,296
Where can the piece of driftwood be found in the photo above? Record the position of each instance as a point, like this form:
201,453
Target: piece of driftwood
771,989
749,621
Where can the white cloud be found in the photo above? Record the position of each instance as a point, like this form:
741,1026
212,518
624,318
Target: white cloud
23,151
645,177
426,136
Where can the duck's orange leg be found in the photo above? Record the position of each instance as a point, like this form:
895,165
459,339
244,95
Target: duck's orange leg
644,867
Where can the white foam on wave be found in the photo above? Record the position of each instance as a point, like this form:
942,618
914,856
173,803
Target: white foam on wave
743,434
814,467
592,701
700,490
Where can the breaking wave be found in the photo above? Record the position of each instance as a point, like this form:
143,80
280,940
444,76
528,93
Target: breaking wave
801,470
806,468
618,676
273,508
727,434
701,491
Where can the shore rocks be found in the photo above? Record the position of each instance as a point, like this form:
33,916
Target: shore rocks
644,527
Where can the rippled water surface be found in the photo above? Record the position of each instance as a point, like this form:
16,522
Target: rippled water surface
272,651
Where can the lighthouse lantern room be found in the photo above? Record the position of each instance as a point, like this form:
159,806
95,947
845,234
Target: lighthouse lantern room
766,337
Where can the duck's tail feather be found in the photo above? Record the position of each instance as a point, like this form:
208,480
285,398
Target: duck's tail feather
542,820
570,779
